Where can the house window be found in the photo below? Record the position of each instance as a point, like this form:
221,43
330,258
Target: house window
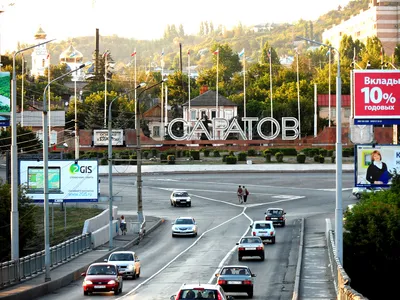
202,114
193,115
213,114
156,131
228,114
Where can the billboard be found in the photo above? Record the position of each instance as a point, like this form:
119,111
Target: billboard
100,137
375,164
376,97
68,181
5,96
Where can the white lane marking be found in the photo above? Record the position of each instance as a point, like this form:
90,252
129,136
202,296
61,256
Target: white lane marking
176,257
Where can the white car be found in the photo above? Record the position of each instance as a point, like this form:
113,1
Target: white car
264,230
184,226
127,262
180,197
358,191
200,291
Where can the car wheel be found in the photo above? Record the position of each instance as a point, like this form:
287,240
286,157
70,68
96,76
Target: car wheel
171,203
174,203
262,257
250,293
358,196
116,292
85,293
273,240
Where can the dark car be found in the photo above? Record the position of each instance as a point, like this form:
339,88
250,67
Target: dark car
236,279
276,215
102,277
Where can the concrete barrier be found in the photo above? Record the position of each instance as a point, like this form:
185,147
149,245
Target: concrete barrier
102,236
99,221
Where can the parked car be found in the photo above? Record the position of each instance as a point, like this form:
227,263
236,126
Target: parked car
180,197
358,191
250,246
102,277
184,226
201,291
127,262
276,215
236,279
264,230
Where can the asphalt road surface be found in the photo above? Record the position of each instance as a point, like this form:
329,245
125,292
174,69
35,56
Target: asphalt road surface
168,262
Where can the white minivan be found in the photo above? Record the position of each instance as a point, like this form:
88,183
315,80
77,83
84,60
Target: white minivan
263,229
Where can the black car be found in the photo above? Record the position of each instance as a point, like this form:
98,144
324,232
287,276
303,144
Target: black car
276,215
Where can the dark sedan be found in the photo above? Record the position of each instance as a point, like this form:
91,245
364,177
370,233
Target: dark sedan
276,215
102,277
236,279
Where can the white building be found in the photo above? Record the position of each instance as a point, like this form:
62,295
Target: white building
40,55
73,58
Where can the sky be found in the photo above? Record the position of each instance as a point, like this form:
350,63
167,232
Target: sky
62,20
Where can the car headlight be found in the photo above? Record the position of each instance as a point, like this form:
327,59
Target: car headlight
111,282
189,199
130,267
86,282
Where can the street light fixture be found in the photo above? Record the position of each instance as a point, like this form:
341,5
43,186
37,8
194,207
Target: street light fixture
339,204
139,155
46,175
14,159
110,198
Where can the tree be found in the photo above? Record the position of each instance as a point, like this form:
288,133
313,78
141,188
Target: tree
26,139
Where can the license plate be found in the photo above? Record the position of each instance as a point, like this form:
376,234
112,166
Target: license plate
234,282
274,218
99,286
252,248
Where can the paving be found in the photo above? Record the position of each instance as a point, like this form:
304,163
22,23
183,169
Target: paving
315,280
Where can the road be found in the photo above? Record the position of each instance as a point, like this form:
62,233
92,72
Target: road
168,262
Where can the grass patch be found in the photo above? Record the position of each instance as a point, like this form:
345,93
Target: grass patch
75,217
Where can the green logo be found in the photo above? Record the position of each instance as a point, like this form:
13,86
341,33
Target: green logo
74,168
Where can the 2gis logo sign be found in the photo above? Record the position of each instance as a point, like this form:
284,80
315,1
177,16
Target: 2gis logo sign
376,94
76,169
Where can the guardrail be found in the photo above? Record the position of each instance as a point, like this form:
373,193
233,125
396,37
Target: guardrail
27,267
342,280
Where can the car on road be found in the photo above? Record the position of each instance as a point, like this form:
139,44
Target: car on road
264,230
201,291
276,215
180,198
127,262
358,191
102,277
250,246
236,279
184,226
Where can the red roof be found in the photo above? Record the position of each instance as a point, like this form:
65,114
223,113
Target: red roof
323,100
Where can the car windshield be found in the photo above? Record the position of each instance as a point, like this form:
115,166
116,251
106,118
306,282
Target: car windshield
263,226
199,294
181,194
121,257
184,221
275,212
102,270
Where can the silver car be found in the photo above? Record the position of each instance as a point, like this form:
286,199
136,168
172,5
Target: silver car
358,191
184,226
236,279
127,262
180,197
250,246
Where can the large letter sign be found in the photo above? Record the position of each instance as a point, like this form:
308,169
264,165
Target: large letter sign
222,128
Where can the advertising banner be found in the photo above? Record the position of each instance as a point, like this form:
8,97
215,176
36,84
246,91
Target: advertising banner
375,165
101,137
67,181
376,96
5,96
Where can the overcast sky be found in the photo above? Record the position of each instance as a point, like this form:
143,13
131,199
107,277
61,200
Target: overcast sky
143,19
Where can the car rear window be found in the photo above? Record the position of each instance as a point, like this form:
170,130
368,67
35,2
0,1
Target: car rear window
275,212
263,226
199,294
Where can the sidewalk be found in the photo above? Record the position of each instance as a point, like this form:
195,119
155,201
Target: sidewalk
71,271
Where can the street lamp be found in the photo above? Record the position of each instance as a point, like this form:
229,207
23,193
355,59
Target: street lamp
46,175
339,204
139,155
14,159
110,162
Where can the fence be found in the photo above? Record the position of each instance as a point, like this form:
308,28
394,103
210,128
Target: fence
15,271
342,280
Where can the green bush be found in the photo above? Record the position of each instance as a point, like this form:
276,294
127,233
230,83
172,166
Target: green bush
179,153
288,151
251,152
321,158
242,156
279,156
224,157
346,152
104,161
216,153
146,154
187,153
312,152
231,160
333,158
330,153
206,152
323,152
316,158
301,158
267,151
133,159
231,153
195,154
163,157
171,159
154,152
268,157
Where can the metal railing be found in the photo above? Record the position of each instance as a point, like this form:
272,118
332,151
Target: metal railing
29,266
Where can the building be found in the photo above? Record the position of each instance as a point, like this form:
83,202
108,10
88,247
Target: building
40,55
381,19
156,121
73,58
323,108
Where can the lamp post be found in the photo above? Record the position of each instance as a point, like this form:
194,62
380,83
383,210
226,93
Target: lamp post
139,155
14,159
339,204
105,88
46,175
110,191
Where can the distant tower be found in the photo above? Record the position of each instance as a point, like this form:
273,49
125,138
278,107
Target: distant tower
73,58
40,58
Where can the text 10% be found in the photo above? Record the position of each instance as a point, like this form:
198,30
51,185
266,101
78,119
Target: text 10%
375,95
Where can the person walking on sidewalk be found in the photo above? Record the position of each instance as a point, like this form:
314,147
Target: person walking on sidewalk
245,194
122,225
240,194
